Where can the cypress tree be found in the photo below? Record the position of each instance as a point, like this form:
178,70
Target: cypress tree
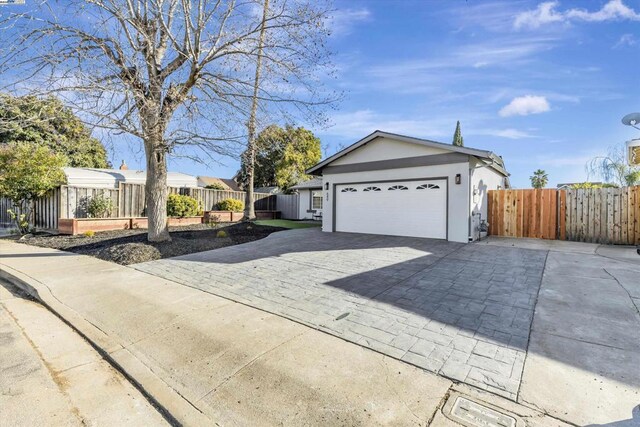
458,140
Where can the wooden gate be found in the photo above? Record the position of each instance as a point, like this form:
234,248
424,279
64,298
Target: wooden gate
523,213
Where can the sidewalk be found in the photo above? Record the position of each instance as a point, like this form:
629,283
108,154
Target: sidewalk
205,358
51,376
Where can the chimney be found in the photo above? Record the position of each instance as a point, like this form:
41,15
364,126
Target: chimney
123,166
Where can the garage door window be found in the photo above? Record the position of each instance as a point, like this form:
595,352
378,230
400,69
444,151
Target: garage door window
427,187
316,200
348,190
372,189
398,187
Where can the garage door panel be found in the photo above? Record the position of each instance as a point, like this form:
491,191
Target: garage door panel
408,208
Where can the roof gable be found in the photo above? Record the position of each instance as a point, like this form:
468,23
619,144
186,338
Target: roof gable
483,154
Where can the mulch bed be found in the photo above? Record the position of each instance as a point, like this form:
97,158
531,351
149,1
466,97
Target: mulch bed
131,246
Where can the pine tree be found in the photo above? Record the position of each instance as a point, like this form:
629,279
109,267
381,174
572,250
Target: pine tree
458,140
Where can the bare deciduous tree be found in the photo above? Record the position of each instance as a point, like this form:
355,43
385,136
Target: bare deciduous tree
174,73
250,153
614,167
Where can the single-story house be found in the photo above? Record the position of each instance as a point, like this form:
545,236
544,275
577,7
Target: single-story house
403,186
110,178
310,198
226,183
267,190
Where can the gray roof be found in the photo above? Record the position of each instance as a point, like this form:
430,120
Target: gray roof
483,154
312,183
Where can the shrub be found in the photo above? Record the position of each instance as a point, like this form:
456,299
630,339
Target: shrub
213,221
232,205
221,234
89,233
99,206
181,206
216,186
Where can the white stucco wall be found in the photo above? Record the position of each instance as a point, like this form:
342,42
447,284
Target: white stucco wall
304,204
458,194
385,149
483,179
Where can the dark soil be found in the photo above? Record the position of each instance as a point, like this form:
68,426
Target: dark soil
131,246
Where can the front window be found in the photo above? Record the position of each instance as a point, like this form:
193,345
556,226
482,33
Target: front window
316,200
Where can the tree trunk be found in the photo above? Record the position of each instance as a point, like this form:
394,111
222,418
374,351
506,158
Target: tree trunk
250,159
156,194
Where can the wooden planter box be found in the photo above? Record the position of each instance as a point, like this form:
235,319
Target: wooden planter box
223,216
80,225
141,222
228,216
189,220
268,214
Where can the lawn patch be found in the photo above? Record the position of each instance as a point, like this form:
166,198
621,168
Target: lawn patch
287,223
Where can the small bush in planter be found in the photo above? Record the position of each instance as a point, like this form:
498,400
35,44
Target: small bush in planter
232,205
182,206
89,233
221,234
99,206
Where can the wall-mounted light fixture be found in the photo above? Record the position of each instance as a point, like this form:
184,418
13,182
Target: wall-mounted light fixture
458,179
326,185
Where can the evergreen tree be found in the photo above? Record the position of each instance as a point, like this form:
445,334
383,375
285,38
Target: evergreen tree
48,123
458,140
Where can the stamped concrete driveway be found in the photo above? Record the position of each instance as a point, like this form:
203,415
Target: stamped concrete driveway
463,311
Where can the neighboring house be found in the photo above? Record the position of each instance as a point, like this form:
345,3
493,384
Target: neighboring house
310,198
398,185
110,178
569,185
267,190
227,183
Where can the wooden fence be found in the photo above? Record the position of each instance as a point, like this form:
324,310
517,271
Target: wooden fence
128,200
600,215
288,205
603,215
45,211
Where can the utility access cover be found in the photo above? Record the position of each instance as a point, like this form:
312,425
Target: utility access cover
474,414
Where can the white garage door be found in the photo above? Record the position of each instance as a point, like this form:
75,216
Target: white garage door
408,208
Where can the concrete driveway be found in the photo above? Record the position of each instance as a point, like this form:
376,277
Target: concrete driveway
463,311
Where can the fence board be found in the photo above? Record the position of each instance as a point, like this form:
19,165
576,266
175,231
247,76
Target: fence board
562,215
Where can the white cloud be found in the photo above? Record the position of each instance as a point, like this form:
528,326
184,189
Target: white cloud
625,40
341,21
544,14
525,105
547,12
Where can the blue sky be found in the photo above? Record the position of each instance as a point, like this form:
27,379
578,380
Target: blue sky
544,84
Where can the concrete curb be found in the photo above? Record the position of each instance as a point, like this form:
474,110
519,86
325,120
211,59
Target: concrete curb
176,409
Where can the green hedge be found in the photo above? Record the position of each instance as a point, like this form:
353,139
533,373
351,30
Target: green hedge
182,206
232,205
